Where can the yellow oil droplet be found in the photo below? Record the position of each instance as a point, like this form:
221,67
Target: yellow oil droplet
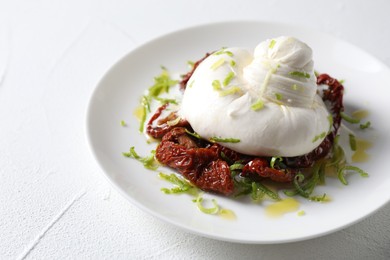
227,214
139,112
363,144
360,114
282,207
360,155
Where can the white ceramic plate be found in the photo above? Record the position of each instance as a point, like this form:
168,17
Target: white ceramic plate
118,94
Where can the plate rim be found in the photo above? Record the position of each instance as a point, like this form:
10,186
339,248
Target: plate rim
169,34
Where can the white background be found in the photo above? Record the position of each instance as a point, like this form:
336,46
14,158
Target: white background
55,202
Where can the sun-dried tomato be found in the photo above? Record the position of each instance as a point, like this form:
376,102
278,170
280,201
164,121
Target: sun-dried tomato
259,167
200,166
206,165
225,153
159,130
186,77
333,95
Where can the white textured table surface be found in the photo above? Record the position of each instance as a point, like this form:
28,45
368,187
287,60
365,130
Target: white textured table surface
55,202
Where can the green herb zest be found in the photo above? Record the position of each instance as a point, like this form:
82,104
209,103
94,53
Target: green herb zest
228,78
352,142
181,185
274,160
145,103
162,84
259,104
278,96
224,140
330,120
341,173
223,51
365,125
230,91
272,44
319,137
194,134
149,161
217,64
212,210
300,74
216,85
349,119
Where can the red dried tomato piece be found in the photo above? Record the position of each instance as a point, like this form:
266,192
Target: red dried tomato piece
200,166
163,127
260,167
216,176
334,95
186,77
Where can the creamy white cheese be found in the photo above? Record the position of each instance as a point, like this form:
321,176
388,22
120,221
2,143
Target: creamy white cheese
267,100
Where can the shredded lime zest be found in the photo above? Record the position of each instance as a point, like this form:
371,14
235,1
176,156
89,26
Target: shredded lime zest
365,125
300,74
166,100
274,160
232,63
181,184
259,104
191,84
230,91
256,194
149,161
352,142
145,103
226,159
305,186
272,44
278,96
162,83
259,190
298,179
123,123
174,121
224,140
212,210
266,80
216,85
143,120
341,173
349,119
319,137
228,78
296,87
194,134
217,64
330,120
224,51
301,213
236,166
191,63
322,198
341,81
316,73
338,158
